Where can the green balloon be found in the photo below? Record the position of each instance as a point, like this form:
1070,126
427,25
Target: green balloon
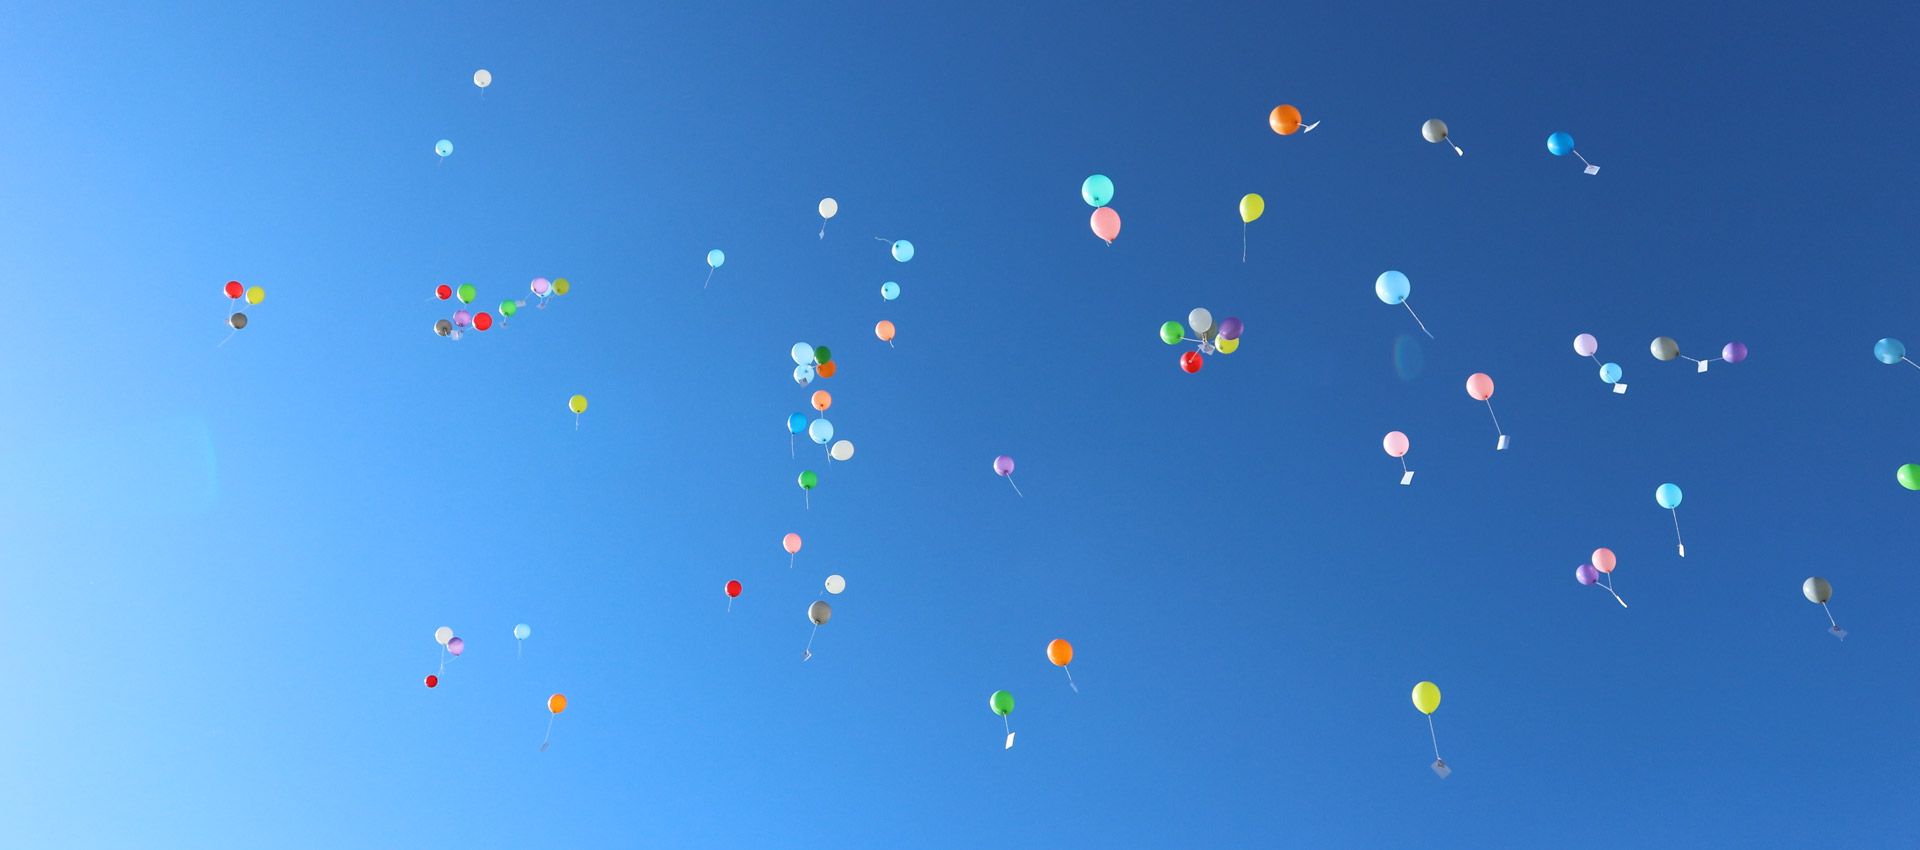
467,293
1909,476
507,308
822,354
808,479
1001,702
1171,332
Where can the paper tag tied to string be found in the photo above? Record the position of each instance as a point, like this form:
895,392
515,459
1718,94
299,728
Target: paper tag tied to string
1620,389
1009,741
1502,445
1406,478
1441,769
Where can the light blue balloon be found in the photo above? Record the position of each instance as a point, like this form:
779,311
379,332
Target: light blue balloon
1610,373
1668,496
1392,287
1097,190
797,423
443,147
802,354
821,431
520,632
803,375
903,250
889,290
716,258
1889,351
1560,144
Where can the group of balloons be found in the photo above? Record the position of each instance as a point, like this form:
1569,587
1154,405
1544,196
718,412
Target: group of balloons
1223,338
236,295
1097,191
1585,345
463,317
1602,565
1059,654
1665,349
452,646
810,362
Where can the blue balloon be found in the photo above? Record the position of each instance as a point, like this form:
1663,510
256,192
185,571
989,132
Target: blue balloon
803,375
1097,191
1610,373
1668,496
1889,351
443,147
1392,287
821,431
1560,144
802,354
889,290
716,258
797,423
903,250
520,632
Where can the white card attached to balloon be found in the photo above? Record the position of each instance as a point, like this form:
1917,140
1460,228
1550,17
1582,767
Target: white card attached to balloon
1406,478
1620,389
1683,549
1702,367
807,656
1009,741
1440,767
1502,445
1838,632
1593,169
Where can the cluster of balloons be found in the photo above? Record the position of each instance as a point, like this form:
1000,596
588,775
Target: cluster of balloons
1223,338
1285,120
1668,496
1480,388
1888,351
453,646
465,317
1393,287
1818,591
1561,144
1435,132
450,647
1097,191
1590,574
1585,345
1426,698
810,362
1396,444
1664,348
239,298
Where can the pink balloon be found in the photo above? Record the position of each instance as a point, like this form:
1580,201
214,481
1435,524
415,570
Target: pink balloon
791,543
1395,444
1603,559
1003,465
462,318
456,646
1106,224
540,285
1480,386
1585,345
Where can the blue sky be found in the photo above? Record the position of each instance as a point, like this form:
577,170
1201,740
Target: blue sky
223,563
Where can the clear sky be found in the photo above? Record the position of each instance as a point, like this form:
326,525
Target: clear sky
221,565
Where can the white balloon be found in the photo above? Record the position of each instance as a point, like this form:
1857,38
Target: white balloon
442,635
835,584
829,207
1201,320
483,78
842,450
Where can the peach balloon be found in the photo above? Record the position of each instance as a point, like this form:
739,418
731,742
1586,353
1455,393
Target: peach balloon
1284,119
822,400
1395,443
1060,652
1106,224
1603,559
884,330
791,543
1480,386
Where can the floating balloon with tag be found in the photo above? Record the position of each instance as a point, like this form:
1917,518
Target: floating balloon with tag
1001,702
1060,654
828,209
1668,496
1396,445
555,704
1586,345
1480,387
1561,144
1003,467
1435,132
1665,349
1426,698
1818,591
1392,287
1251,208
1285,120
818,614
1603,563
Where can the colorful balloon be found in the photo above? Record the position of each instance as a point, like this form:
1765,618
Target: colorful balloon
456,646
1201,320
256,294
841,451
791,543
467,293
1603,559
889,290
802,354
1610,372
540,286
797,423
822,400
1284,119
1060,652
1586,574
444,148
820,431
441,327
1396,444
1426,697
884,330
1664,348
1096,190
1171,333
733,589
557,703
836,584
1001,702
578,404
234,290
1816,590
1106,224
1191,362
826,370
902,251
819,612
433,681
1480,386
522,631
462,318
1734,352
237,321
808,480
1585,345
1227,346
1889,351
482,320
803,375
442,292
442,635
508,308
1392,287
1003,465
1251,208
1668,495
561,286
1231,328
822,355
1909,476
1561,144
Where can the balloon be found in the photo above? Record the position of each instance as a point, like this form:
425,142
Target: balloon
1909,476
1227,346
256,294
1059,652
433,681
1230,328
884,330
1585,345
1201,320
808,480
797,423
462,318
716,258
442,327
444,148
733,589
802,354
482,320
1171,333
803,375
1610,372
1392,287
1889,351
577,404
1603,559
826,370
522,631
540,286
1668,495
1561,144
1003,465
821,431
557,703
1435,130
1586,574
1426,697
237,321
889,290
842,451
483,78
902,251
1734,352
1251,206
508,308
791,543
442,635
1001,702
1191,362
1284,119
835,584
819,612
1106,224
822,355
1396,444
1664,348
821,400
561,286
1096,190
442,292
1480,386
829,208
467,292
456,646
1816,590
234,290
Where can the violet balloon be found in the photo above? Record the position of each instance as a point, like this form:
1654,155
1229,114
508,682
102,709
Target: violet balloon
1586,574
1230,327
1734,352
456,646
1003,466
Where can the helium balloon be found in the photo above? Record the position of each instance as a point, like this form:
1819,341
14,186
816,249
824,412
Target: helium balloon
256,294
819,612
467,293
442,635
829,208
444,148
1435,132
902,251
1426,697
821,431
577,404
522,631
1909,476
822,355
884,330
797,423
1060,652
1734,352
482,320
826,370
1201,320
1603,560
791,543
822,400
1610,372
1230,328
1251,208
733,589
841,451
508,308
1191,361
1586,574
716,258
836,584
1668,495
1227,346
1106,224
1171,333
561,286
456,646
234,290
1889,351
1001,702
1285,120
442,292
1396,444
1392,287
889,290
1816,590
433,681
557,703
802,354
1003,465
1585,345
483,78
442,327
1560,144
1096,190
808,480
237,321
803,375
540,286
462,318
1480,386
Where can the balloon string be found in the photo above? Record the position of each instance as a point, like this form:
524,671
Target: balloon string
1594,359
1243,241
1070,684
1006,723
791,451
549,739
709,277
729,604
1456,149
790,557
816,630
1496,418
1434,736
1016,488
1676,528
1583,160
823,228
1403,464
889,343
1911,363
230,334
1830,620
517,646
1416,320
1309,127
808,495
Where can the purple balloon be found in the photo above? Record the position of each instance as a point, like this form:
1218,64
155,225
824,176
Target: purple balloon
1003,466
1586,574
456,646
1230,328
1734,352
462,318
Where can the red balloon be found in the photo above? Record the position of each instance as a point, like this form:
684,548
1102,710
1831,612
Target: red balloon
442,292
1191,361
733,589
234,289
482,321
433,681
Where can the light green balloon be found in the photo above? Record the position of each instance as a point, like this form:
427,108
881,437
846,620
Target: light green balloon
1171,332
1001,702
1909,476
467,293
808,479
507,307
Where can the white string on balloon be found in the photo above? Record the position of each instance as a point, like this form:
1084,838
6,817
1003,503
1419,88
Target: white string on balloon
1682,544
1591,168
807,653
1835,629
547,741
1439,764
1501,445
1616,594
1416,319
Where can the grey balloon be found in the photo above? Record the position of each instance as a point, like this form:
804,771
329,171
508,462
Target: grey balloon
443,327
1435,130
237,321
1664,348
1817,590
820,612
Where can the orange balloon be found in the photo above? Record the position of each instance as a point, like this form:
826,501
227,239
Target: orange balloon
1060,652
884,330
826,370
1284,120
822,400
557,703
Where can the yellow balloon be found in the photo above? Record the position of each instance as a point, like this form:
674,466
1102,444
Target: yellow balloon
560,286
1229,346
1426,697
1251,207
256,295
577,404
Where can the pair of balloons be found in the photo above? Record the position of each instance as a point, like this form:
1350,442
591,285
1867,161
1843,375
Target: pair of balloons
1603,564
1586,345
1097,191
253,294
808,355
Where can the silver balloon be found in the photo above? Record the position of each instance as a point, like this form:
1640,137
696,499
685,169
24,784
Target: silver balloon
820,612
237,321
1817,590
835,584
1664,348
443,327
1435,130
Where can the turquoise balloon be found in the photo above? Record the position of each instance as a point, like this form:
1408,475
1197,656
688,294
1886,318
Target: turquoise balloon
1392,287
1560,144
1668,496
443,147
903,250
1610,373
1097,190
716,258
520,632
889,290
802,354
1889,351
797,423
820,431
